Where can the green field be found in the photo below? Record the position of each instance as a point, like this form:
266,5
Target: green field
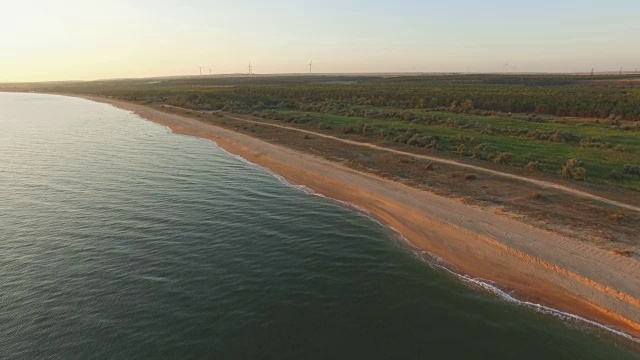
608,153
518,120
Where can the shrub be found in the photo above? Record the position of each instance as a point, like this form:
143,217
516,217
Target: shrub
414,138
616,216
563,137
579,173
467,105
623,252
348,129
613,119
574,169
533,166
461,149
594,143
502,158
463,139
535,196
616,175
418,140
403,138
631,169
482,151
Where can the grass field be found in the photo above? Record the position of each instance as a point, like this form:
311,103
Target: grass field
608,154
520,121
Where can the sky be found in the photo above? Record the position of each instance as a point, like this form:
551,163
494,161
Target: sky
46,40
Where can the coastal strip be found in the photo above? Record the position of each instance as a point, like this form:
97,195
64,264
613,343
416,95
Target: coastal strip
532,265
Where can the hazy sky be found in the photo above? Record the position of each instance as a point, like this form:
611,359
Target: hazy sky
69,39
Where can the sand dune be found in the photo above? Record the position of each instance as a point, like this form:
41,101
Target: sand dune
532,264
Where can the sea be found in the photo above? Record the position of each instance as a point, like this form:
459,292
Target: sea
122,240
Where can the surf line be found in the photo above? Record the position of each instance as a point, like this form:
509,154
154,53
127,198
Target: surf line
435,260
440,263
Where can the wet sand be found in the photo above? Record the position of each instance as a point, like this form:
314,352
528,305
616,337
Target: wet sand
530,264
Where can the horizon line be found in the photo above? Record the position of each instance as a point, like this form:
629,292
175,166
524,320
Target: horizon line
378,73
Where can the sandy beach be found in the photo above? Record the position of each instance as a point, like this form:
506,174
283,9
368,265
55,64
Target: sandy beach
530,264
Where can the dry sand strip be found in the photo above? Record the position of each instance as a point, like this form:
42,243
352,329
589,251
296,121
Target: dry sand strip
541,183
533,264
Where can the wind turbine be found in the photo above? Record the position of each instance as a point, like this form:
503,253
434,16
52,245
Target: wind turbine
200,67
310,66
468,70
250,68
210,72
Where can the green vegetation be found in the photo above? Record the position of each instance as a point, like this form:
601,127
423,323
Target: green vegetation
602,149
518,121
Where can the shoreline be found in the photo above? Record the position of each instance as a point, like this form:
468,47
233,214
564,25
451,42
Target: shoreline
528,264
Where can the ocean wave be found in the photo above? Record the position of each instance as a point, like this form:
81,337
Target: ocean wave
492,288
437,262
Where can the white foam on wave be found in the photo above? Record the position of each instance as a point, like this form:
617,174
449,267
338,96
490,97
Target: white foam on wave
437,262
303,188
277,176
490,287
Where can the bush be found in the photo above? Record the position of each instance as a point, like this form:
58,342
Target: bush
623,252
461,149
467,105
535,196
631,169
414,138
579,173
616,216
348,129
616,175
594,143
574,169
613,119
324,126
366,130
502,158
563,137
533,166
482,151
419,140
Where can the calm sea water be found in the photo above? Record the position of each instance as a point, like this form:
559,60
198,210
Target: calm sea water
121,240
